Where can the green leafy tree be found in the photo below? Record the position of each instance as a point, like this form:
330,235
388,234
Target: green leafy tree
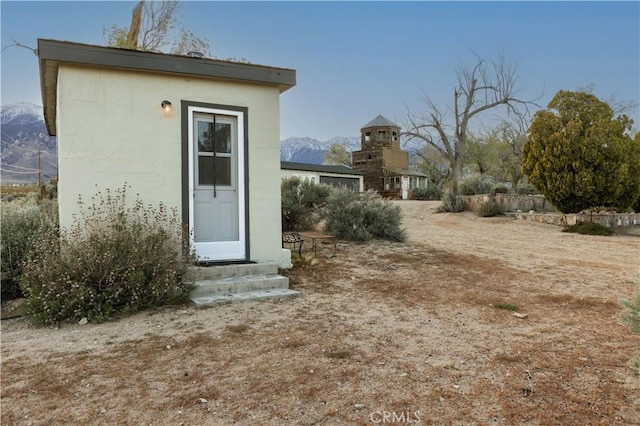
482,154
512,136
434,165
579,155
503,147
338,155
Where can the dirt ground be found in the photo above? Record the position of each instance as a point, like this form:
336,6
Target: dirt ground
381,333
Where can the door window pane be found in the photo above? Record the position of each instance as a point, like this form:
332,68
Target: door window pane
206,137
206,170
223,138
205,140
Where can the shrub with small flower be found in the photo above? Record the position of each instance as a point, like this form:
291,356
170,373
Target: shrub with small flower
116,258
22,226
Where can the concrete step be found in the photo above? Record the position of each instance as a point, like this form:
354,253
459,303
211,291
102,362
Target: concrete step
205,301
213,272
241,284
218,284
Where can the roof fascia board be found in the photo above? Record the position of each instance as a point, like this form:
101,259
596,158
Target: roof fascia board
84,54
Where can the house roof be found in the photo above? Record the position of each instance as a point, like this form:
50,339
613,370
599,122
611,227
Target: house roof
52,53
380,121
405,172
343,170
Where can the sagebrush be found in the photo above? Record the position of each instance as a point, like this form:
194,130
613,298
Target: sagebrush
22,227
475,184
431,192
362,217
589,228
115,258
450,203
302,201
490,208
631,316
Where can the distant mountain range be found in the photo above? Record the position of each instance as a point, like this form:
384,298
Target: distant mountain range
312,151
24,134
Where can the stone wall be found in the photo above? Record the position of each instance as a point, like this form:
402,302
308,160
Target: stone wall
610,219
511,202
537,209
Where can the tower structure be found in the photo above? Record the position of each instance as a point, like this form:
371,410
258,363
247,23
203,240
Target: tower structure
384,164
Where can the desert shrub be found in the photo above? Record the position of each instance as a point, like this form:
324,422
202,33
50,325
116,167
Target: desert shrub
526,190
631,316
490,208
51,190
115,258
500,188
21,228
476,184
431,192
588,228
361,217
450,203
301,203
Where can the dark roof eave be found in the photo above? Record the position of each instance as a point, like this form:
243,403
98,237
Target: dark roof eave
405,172
53,52
344,170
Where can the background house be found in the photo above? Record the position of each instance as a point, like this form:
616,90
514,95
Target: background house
330,175
199,135
384,164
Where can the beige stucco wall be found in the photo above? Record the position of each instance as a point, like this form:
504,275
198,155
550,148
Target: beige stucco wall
111,130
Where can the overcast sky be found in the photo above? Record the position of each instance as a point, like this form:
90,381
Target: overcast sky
355,60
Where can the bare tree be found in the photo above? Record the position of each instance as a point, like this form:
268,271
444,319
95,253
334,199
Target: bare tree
483,87
153,27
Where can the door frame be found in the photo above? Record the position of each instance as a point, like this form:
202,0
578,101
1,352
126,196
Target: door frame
186,111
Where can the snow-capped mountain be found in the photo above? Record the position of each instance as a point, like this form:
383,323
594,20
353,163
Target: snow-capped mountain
312,151
23,136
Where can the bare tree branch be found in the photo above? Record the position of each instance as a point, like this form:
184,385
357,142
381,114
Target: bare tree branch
482,87
16,44
134,28
154,27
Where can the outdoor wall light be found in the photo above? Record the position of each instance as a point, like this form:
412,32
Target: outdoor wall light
166,106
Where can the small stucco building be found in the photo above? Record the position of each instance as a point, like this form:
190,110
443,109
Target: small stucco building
327,174
200,135
384,163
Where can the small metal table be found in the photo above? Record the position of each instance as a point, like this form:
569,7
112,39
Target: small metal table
318,236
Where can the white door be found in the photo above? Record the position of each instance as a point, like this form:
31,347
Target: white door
405,187
217,185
